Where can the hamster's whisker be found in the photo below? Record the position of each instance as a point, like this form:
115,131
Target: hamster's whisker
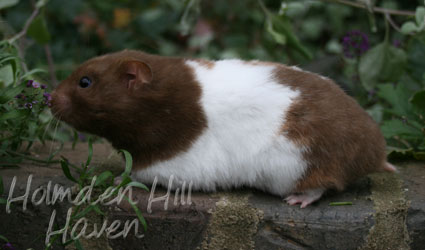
53,137
47,128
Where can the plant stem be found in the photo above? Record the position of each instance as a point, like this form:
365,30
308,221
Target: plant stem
391,21
51,64
387,29
374,9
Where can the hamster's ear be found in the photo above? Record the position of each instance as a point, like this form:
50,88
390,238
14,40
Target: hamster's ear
137,73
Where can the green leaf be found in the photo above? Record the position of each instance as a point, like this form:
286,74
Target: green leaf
376,112
124,182
75,139
14,114
8,3
33,72
10,92
128,162
97,210
394,127
399,153
3,238
341,203
90,142
279,38
398,97
281,25
67,172
137,184
419,156
418,100
78,245
408,27
6,75
38,30
41,3
416,55
420,16
103,177
138,213
382,63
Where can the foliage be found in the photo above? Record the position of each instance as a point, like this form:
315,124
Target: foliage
397,75
102,182
23,104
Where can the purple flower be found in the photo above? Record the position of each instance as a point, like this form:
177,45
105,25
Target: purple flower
43,86
35,85
47,96
29,83
28,105
34,102
19,96
355,43
8,246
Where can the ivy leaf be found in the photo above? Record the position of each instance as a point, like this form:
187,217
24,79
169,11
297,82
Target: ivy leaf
419,16
395,127
416,55
408,27
41,3
398,97
8,3
38,30
418,100
382,63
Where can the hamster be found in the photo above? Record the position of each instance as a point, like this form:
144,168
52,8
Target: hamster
224,124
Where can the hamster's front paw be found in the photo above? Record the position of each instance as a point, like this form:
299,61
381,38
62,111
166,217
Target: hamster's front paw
305,198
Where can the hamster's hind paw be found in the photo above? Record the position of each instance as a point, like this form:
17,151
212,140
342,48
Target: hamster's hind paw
305,198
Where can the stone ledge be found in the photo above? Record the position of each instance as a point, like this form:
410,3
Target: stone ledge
240,219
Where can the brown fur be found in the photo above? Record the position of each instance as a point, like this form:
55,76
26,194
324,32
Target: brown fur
155,122
342,141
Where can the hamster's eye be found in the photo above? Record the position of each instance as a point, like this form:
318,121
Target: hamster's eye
85,82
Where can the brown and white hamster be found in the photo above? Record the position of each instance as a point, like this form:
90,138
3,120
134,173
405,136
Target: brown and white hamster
224,124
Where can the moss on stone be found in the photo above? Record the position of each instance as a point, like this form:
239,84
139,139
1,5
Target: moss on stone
389,231
233,224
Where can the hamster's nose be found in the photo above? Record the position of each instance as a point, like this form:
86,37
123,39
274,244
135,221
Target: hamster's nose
60,101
